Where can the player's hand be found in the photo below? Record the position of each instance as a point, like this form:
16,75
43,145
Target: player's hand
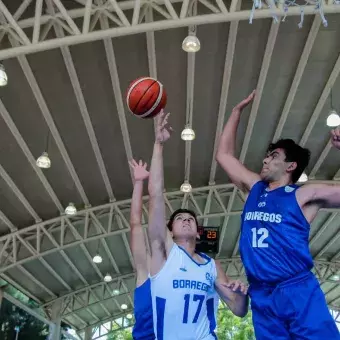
238,286
335,137
163,131
245,102
139,170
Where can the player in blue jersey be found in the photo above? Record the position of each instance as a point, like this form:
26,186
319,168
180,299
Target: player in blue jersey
183,282
143,327
286,298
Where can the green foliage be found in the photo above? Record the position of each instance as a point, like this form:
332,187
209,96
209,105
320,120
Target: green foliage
123,334
231,327
12,316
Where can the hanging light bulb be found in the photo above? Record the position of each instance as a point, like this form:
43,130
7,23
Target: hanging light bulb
116,292
3,76
71,209
107,278
44,161
188,134
335,278
129,316
123,306
186,187
191,44
333,119
303,178
97,259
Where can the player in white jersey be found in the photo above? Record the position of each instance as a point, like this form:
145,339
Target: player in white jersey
183,282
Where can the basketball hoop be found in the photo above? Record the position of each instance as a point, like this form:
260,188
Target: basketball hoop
284,6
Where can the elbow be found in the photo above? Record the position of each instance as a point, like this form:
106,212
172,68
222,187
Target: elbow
240,312
222,156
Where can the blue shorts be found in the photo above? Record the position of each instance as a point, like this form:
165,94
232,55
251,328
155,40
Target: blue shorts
143,328
294,309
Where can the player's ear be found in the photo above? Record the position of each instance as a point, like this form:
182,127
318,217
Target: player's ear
292,166
198,236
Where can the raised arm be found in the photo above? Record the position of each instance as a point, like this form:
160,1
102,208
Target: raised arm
138,244
312,197
160,238
225,156
233,293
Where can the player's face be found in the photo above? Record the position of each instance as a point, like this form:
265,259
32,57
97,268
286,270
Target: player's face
274,166
184,224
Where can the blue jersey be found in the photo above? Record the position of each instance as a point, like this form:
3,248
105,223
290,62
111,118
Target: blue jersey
143,327
183,298
274,235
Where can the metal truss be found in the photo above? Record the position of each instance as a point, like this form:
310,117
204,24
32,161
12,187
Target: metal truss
79,24
31,239
93,295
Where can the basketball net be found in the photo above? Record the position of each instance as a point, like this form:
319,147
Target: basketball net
285,4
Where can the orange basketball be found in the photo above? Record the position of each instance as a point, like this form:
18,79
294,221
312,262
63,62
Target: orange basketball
146,97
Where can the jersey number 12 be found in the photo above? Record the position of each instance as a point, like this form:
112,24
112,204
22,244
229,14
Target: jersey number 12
258,242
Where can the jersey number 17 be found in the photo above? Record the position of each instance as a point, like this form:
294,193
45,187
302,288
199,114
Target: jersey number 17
187,298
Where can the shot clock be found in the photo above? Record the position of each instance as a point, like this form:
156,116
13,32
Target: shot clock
209,240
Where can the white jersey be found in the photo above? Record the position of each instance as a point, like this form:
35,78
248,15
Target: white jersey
184,298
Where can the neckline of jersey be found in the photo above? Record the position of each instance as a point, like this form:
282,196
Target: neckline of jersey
200,254
266,189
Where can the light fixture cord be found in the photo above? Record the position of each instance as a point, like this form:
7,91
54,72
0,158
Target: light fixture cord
47,141
332,98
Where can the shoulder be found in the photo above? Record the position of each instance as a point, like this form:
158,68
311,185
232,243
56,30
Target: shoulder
257,186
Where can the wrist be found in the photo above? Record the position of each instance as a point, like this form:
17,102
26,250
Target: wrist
236,111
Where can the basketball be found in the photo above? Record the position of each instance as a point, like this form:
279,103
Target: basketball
146,97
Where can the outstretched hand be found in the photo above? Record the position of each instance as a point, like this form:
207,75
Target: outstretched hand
245,102
335,137
139,170
163,132
237,286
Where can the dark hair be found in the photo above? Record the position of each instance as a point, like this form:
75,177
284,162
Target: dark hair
180,211
294,153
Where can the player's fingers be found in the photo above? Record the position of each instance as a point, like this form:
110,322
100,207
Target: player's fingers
159,118
140,162
243,289
132,163
145,165
236,286
251,96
